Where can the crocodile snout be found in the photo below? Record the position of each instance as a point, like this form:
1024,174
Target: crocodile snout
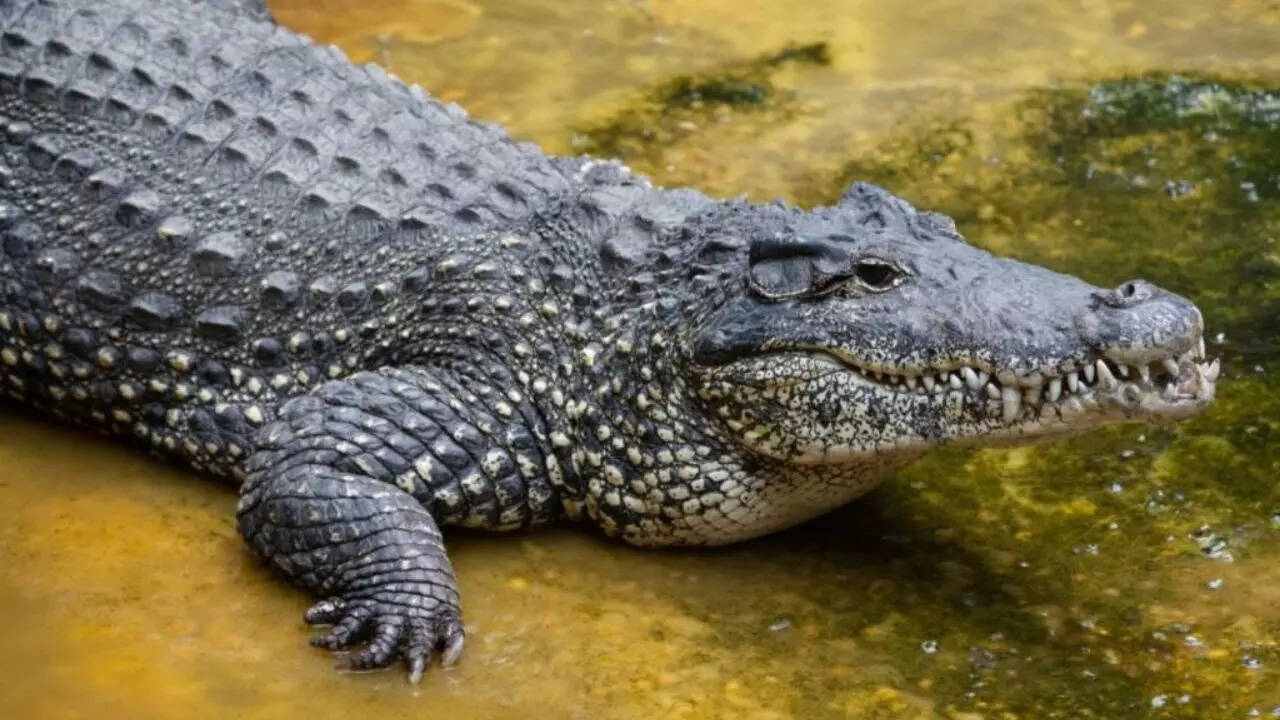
1139,322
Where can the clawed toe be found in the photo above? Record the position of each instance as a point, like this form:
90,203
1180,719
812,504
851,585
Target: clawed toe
351,628
326,612
452,638
382,649
417,650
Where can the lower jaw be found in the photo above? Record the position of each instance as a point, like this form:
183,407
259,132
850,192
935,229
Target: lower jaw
1126,403
1079,413
1064,419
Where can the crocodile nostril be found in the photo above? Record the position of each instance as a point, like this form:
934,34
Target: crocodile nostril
1131,293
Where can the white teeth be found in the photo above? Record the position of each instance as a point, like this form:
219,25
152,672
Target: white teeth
1105,379
1012,402
1069,392
1211,372
1200,348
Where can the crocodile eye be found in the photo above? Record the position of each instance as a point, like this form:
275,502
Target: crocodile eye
877,275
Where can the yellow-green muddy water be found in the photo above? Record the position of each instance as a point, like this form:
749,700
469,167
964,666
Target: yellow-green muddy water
1132,572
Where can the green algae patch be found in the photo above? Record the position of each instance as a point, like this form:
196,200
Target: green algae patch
684,105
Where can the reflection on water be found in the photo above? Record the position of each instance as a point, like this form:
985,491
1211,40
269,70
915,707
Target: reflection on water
1134,572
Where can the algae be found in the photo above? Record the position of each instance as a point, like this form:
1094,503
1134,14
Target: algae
679,107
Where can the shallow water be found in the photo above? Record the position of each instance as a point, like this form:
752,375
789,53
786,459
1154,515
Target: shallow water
1133,572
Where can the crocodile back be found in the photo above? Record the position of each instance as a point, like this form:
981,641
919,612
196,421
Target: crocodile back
200,210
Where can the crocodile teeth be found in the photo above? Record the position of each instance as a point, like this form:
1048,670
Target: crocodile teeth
1122,369
1200,348
1055,389
912,382
1089,374
929,383
1144,371
1011,403
970,378
993,392
1073,405
1073,381
1211,372
1105,379
1171,366
953,380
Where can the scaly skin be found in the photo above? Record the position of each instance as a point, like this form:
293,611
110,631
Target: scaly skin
380,318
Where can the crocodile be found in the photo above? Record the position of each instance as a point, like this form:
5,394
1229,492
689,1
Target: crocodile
377,317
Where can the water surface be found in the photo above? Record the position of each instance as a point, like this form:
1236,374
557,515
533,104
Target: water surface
1132,572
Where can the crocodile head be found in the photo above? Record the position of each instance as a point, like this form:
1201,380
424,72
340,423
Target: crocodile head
868,332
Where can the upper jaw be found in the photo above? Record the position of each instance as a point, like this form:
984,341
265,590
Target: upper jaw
1150,384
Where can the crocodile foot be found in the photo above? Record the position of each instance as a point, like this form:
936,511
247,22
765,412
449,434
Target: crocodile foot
391,628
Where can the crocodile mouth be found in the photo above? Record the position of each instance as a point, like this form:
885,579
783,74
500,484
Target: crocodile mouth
1169,387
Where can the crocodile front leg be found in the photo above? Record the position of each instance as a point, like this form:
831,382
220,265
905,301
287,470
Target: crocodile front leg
346,488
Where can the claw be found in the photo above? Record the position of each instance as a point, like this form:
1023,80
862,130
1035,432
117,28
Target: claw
326,612
417,649
454,637
417,665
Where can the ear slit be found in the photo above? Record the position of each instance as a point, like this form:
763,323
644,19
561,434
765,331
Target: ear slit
792,267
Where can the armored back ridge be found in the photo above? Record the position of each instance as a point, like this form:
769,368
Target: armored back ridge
379,317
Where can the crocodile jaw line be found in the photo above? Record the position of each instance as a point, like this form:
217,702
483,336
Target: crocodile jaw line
1164,388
